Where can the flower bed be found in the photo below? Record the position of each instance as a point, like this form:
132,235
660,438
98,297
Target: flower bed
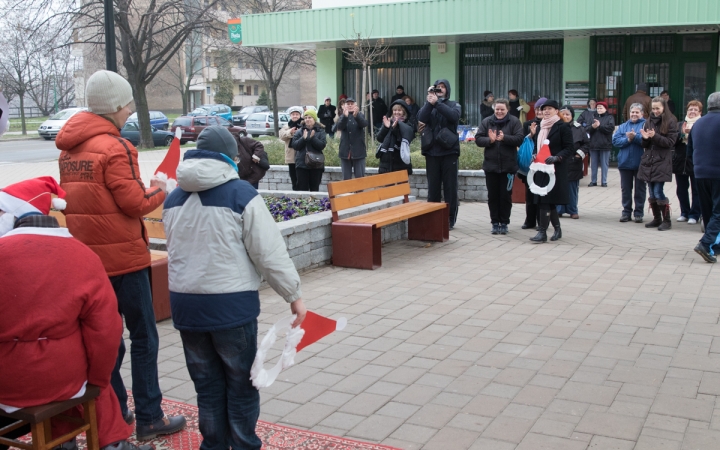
285,208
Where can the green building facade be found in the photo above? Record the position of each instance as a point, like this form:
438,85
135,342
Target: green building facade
565,49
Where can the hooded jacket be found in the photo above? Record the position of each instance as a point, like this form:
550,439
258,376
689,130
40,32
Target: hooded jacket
581,140
601,137
222,242
630,152
443,114
393,140
316,143
106,199
656,161
352,137
500,156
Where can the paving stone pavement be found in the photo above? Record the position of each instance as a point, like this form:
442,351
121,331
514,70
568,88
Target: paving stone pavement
607,339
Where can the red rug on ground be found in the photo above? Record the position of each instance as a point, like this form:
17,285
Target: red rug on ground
274,437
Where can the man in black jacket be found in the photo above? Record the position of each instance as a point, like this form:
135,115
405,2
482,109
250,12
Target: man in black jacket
326,114
379,109
399,93
441,117
352,150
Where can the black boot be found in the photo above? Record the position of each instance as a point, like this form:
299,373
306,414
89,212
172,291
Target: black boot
666,222
657,214
555,220
544,221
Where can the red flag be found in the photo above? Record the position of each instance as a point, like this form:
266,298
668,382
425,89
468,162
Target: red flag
317,327
170,164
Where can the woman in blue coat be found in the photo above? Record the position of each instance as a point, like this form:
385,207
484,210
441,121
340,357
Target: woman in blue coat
629,140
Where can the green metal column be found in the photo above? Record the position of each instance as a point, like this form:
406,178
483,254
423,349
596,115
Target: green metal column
576,60
446,66
329,75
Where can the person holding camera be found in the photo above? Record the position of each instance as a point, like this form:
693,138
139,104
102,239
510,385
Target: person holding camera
438,120
326,113
352,150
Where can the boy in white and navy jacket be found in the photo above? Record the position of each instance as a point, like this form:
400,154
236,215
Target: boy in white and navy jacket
222,241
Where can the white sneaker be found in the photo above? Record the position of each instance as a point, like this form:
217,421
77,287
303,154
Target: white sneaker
692,221
682,219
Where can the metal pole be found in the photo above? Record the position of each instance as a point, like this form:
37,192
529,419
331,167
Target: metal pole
110,53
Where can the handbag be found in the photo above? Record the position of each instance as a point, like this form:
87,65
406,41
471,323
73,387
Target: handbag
314,160
426,139
447,139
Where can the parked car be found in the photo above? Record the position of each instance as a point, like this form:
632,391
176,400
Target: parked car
131,132
240,118
157,119
223,111
51,127
262,123
192,126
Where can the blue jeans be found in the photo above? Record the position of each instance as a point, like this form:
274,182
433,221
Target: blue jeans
135,303
709,193
684,184
601,157
572,207
656,191
219,364
628,178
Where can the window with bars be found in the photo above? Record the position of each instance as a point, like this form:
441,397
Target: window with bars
610,45
401,56
513,52
697,43
653,44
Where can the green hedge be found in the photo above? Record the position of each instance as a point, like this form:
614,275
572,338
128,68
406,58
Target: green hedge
471,156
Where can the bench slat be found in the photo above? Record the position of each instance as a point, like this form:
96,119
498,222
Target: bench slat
155,214
358,184
363,198
395,214
155,229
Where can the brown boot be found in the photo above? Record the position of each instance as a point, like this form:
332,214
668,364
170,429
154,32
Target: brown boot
666,223
657,214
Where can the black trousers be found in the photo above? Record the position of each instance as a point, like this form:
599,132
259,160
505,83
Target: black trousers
709,190
309,179
293,176
499,198
442,175
531,209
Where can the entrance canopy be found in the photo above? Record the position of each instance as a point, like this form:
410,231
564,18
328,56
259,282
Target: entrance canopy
460,21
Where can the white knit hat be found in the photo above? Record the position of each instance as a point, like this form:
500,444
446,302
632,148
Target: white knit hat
107,92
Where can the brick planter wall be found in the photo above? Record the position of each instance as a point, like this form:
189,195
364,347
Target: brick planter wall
471,183
309,238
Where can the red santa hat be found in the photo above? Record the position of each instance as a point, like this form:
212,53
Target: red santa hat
34,195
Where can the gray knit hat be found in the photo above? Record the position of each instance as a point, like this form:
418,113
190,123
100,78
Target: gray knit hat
107,92
218,139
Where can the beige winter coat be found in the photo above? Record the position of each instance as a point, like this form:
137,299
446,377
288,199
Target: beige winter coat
286,136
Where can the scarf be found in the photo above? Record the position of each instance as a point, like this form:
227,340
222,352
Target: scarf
295,123
688,124
545,126
500,122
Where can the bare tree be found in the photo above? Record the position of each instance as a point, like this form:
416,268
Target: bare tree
189,66
362,51
272,64
16,52
52,87
149,35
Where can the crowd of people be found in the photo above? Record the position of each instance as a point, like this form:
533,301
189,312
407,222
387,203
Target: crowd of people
73,337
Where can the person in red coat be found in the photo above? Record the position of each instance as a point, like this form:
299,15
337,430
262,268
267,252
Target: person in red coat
59,327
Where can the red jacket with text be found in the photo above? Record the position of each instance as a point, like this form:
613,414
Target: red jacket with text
106,199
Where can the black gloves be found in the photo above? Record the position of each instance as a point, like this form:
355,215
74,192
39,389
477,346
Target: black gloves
553,160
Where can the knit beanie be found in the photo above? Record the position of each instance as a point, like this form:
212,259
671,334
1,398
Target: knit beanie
486,93
539,102
311,113
217,138
603,104
107,92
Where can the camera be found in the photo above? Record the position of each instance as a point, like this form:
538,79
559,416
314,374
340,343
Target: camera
434,89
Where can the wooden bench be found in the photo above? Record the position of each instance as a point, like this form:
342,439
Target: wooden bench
38,417
158,263
357,240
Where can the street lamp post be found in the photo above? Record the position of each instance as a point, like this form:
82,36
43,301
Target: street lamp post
110,53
